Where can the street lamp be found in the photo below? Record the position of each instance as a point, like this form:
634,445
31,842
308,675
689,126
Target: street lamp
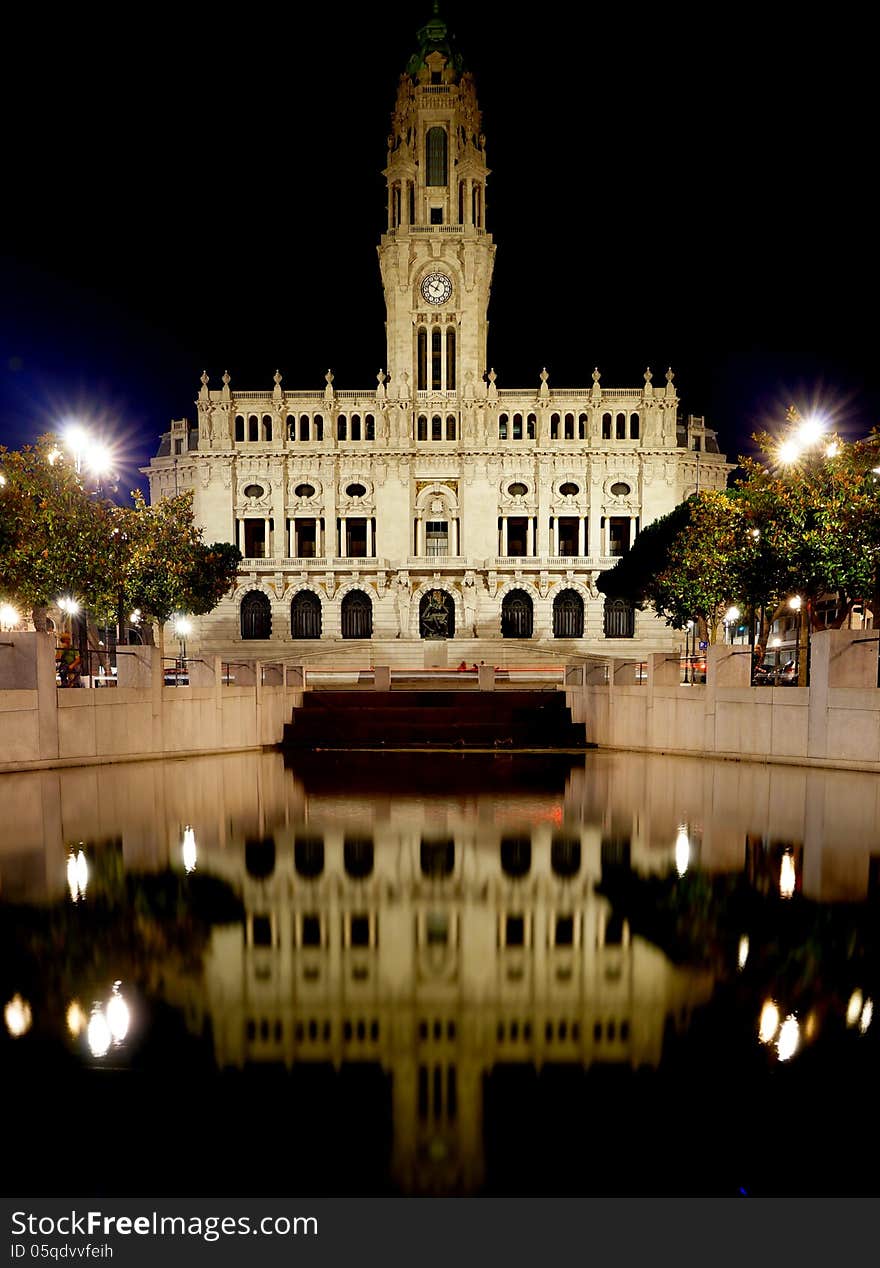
9,618
731,617
182,628
796,605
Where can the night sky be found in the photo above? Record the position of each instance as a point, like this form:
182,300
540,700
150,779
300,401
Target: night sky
188,192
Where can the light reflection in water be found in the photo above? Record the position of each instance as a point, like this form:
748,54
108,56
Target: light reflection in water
17,1016
98,1034
188,849
438,965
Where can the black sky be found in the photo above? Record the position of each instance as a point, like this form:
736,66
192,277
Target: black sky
186,190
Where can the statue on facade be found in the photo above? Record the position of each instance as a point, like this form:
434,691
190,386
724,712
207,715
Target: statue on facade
404,599
469,600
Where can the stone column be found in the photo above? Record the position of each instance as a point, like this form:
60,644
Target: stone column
267,538
530,536
369,537
343,543
504,535
555,535
581,550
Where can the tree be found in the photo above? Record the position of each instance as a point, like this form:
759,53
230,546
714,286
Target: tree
169,568
53,538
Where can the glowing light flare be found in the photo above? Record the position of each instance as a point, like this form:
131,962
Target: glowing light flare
682,851
189,849
788,452
867,1015
99,458
775,642
135,617
832,450
9,617
795,603
732,614
77,874
118,1014
768,1023
811,430
854,1008
787,876
68,605
17,1016
76,1018
789,1038
182,627
98,1035
742,954
53,455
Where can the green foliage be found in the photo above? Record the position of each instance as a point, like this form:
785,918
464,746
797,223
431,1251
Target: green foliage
810,528
55,539
169,568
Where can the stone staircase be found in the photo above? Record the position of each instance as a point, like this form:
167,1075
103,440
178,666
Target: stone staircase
434,719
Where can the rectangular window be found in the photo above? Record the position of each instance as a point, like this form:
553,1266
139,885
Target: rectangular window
255,539
515,931
517,535
437,537
360,931
304,538
564,934
618,531
311,931
357,538
261,930
568,536
436,215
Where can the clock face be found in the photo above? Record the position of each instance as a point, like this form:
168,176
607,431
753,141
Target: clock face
436,288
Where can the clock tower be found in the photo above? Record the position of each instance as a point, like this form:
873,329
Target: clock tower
436,255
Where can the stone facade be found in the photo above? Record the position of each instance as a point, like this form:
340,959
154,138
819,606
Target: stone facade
436,488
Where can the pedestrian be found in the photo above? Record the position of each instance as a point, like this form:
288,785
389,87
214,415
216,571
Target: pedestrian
68,663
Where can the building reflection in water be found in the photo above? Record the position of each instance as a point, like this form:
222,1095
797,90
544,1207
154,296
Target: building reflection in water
440,921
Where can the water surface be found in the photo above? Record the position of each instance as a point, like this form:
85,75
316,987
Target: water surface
379,974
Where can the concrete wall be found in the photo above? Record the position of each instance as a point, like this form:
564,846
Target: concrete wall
833,722
44,726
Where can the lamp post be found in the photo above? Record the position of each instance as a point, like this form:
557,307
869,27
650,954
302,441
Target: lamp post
182,628
796,605
731,617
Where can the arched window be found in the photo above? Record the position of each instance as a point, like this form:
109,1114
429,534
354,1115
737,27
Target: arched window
565,855
517,427
369,427
516,856
436,351
517,615
355,426
341,427
450,360
450,427
437,858
436,427
291,426
620,619
239,427
259,857
435,156
582,427
569,427
305,615
256,616
422,427
358,856
253,427
267,427
422,360
568,615
531,427
633,426
606,426
502,426
554,426
304,427
620,427
478,206
308,856
357,615
319,427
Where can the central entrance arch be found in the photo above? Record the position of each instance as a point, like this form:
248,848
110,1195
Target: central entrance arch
436,614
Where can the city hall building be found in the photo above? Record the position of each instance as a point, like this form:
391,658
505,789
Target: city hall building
435,503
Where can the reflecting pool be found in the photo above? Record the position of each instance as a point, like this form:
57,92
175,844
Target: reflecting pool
439,974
